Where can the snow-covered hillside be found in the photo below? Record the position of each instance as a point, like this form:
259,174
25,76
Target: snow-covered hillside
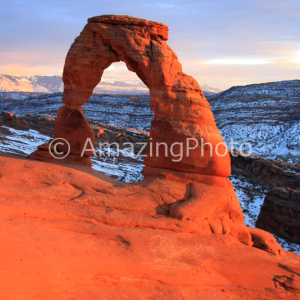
119,110
53,84
265,115
10,83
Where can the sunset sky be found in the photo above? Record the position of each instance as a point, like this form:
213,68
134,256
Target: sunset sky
219,42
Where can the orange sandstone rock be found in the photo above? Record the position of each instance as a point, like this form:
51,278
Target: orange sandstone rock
70,233
193,186
180,108
72,126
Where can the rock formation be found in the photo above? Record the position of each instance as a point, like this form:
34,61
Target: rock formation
281,209
195,187
181,111
280,213
74,234
268,173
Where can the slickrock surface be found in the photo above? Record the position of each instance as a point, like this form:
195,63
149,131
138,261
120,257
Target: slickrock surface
280,212
68,234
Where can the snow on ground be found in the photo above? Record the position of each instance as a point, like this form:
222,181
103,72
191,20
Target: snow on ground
128,169
280,142
114,164
251,198
21,141
118,167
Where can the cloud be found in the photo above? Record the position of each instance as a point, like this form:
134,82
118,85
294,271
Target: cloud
240,61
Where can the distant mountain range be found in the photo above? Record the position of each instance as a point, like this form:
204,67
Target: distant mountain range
54,84
10,83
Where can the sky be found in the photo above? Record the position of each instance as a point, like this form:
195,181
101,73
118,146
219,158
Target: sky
221,43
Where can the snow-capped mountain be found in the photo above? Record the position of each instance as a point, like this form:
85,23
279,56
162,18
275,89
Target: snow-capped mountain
54,84
209,91
9,83
120,87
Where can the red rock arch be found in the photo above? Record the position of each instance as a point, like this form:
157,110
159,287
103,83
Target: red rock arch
196,188
180,108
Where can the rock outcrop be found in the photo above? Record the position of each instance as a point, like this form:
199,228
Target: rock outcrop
191,187
13,120
268,173
280,213
44,124
70,233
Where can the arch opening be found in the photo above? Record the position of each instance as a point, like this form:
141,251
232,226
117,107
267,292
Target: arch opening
117,79
119,113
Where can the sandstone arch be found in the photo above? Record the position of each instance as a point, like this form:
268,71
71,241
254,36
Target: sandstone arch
195,188
180,108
